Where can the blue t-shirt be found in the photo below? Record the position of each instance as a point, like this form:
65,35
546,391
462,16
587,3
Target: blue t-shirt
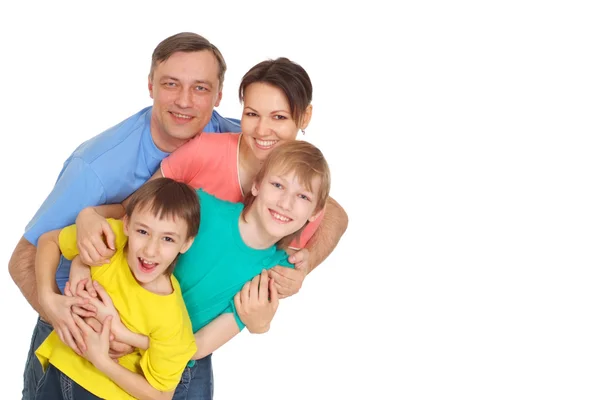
105,169
219,263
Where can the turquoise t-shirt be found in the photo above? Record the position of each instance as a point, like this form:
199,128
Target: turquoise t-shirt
219,263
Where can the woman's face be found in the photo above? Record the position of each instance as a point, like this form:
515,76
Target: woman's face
266,119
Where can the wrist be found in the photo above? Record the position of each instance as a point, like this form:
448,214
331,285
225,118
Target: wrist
260,329
104,363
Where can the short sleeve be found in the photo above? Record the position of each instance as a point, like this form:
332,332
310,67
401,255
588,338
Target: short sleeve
67,238
231,309
184,163
77,187
219,124
171,348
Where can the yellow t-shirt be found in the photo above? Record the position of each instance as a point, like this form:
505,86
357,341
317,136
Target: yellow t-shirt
163,318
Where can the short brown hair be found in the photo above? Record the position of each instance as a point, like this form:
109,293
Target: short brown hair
166,198
286,75
187,42
307,162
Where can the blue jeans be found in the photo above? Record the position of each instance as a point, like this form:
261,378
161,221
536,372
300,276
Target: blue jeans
33,369
196,382
56,386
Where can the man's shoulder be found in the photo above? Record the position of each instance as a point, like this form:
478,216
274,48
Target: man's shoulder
127,133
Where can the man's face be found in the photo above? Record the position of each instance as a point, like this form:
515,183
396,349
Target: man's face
185,89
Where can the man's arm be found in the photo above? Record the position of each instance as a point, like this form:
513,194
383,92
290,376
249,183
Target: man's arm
22,271
77,187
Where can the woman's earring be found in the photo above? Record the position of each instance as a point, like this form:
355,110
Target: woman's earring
304,133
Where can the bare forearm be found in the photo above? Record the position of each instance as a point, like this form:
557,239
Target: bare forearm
22,271
134,384
133,339
329,233
46,263
214,335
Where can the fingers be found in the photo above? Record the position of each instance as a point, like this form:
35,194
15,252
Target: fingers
90,287
66,337
102,294
106,328
68,289
80,290
75,332
94,324
274,294
299,256
237,302
263,288
110,237
82,312
85,256
245,292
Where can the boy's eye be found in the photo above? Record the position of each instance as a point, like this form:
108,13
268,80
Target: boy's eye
277,185
141,231
168,239
304,197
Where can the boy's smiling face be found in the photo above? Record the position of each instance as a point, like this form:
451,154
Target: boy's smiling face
153,243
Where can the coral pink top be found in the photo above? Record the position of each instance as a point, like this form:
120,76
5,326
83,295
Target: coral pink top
210,162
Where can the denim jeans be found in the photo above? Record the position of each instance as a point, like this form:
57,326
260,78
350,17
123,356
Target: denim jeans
56,386
33,369
196,382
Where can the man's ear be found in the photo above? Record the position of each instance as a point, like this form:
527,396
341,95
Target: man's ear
126,225
150,87
219,97
187,245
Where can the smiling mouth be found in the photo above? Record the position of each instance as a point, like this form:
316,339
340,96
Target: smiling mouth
282,219
181,117
146,266
265,144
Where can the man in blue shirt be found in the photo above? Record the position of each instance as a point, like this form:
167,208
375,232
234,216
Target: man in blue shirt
185,83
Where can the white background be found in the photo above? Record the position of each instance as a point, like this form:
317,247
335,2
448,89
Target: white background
463,141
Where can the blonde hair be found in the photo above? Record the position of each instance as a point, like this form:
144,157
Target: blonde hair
307,162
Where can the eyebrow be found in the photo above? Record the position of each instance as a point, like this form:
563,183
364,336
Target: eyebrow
272,112
146,227
196,81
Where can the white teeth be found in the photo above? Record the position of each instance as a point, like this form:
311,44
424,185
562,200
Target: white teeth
266,143
280,217
146,262
182,116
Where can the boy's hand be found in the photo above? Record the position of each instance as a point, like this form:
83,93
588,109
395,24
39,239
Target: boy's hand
97,344
91,231
257,303
85,310
288,281
57,308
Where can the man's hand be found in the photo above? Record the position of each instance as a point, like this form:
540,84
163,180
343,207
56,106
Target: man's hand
257,303
92,229
288,281
57,308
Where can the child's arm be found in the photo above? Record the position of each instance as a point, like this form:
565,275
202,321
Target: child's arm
255,304
56,306
97,353
214,335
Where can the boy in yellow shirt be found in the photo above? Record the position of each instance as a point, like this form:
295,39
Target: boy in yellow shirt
161,222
